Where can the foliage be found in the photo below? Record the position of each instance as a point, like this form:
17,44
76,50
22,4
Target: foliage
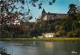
67,26
75,33
60,33
10,12
72,9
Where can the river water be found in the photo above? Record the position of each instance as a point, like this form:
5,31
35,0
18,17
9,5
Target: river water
40,48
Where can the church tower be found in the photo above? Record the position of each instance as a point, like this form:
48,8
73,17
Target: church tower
43,13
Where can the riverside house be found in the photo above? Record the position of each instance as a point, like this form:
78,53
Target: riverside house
49,35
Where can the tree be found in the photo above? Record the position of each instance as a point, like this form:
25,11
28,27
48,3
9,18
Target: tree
9,12
72,9
75,33
7,16
60,33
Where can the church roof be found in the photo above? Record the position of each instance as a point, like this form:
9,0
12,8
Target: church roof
55,13
43,11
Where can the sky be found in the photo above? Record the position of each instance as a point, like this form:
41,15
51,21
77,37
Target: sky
60,6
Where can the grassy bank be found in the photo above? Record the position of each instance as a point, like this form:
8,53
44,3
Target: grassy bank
37,39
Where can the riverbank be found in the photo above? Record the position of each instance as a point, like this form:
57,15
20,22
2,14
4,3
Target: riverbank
38,39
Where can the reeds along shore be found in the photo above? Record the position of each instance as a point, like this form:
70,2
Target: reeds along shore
38,39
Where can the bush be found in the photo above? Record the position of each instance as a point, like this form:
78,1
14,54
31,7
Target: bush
75,33
60,33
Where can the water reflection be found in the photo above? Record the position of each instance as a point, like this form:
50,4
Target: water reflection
48,45
40,48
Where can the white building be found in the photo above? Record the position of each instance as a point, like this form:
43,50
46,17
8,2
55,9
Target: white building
49,35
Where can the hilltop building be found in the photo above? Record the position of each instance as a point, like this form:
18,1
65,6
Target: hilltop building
50,16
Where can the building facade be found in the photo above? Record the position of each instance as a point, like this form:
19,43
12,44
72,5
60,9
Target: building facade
51,16
49,35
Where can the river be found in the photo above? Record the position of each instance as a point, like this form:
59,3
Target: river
40,47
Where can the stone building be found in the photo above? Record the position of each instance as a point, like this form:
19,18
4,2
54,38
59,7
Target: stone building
51,16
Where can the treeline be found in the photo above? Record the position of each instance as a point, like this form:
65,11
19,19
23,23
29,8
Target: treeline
67,26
